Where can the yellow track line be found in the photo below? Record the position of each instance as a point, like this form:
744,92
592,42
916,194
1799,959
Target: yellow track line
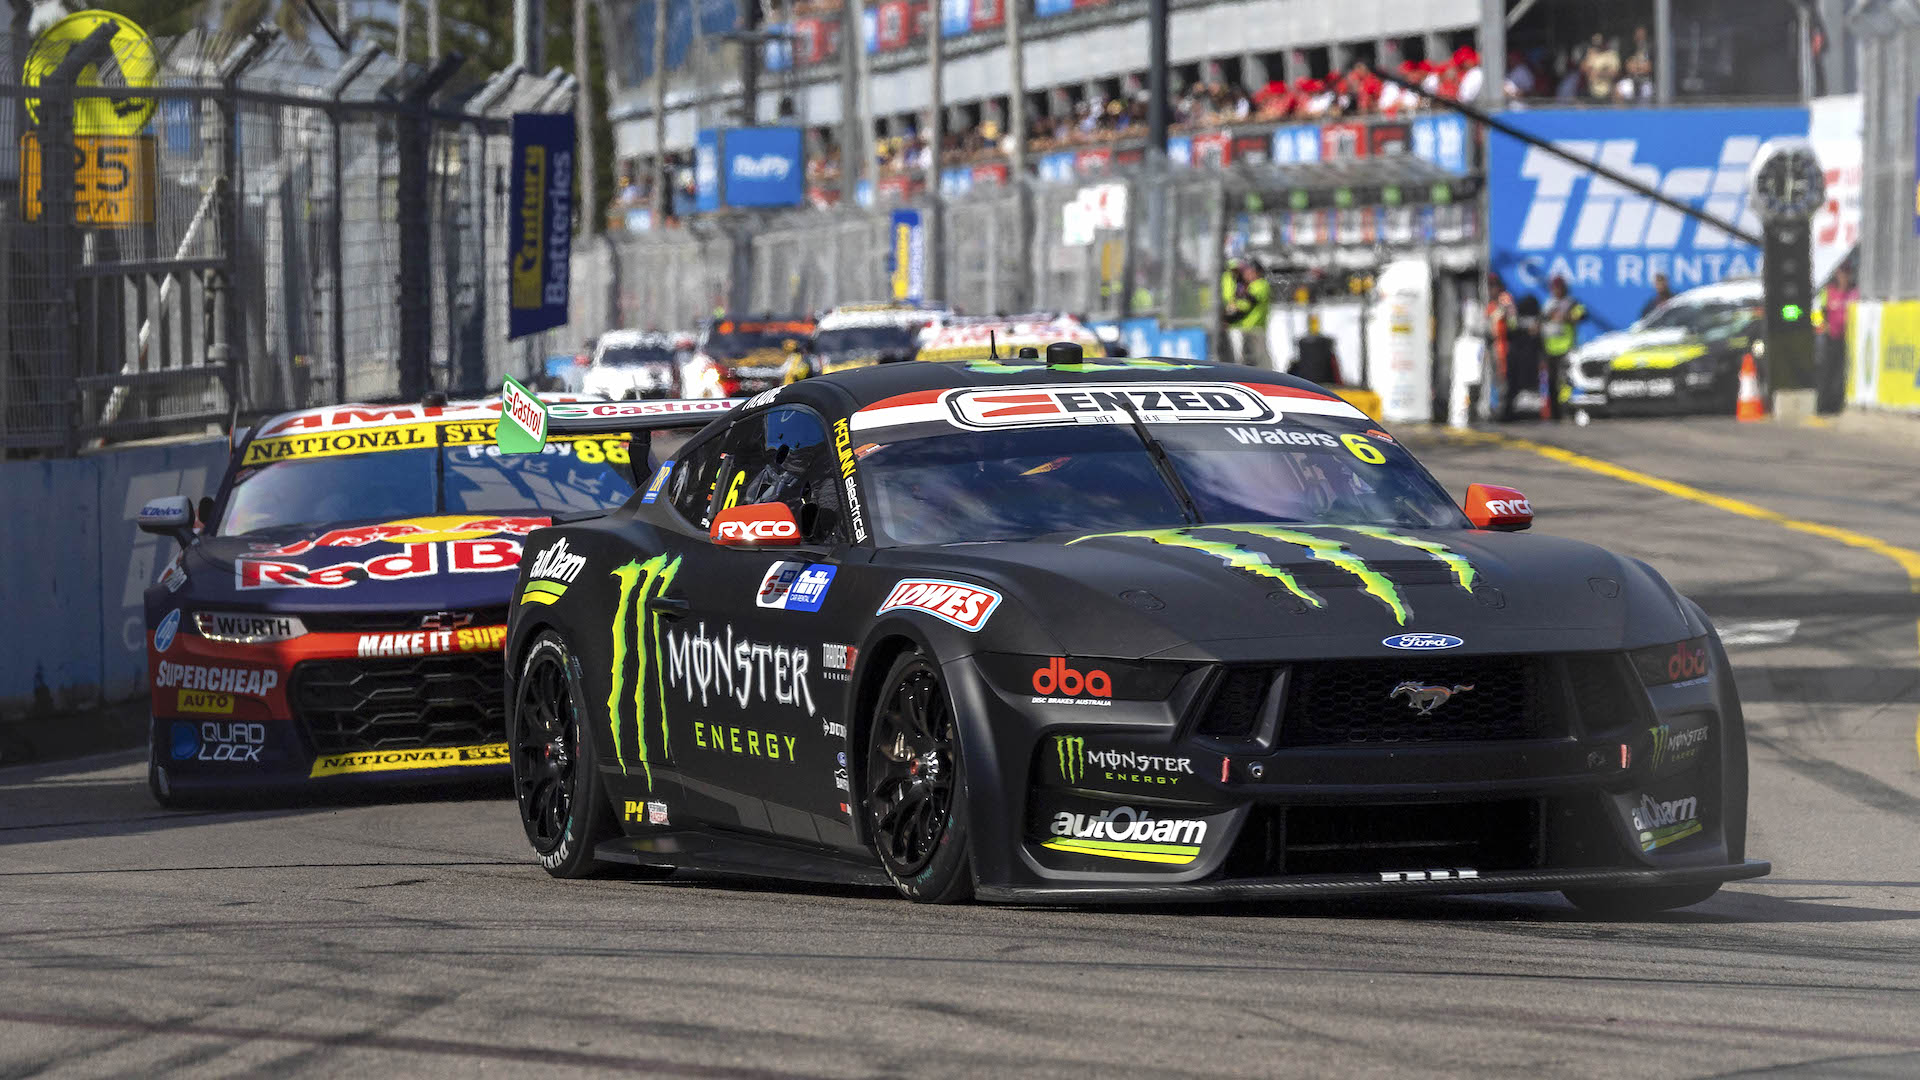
1908,559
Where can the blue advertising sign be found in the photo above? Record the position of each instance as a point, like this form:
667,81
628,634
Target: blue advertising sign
907,256
956,17
1044,8
1057,168
1442,140
1916,162
956,181
1296,144
1550,218
540,222
706,171
777,54
1180,150
766,166
870,28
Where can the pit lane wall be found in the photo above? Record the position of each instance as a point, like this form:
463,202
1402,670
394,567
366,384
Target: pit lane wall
74,568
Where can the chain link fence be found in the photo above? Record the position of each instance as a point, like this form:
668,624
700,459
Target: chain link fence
1152,251
275,225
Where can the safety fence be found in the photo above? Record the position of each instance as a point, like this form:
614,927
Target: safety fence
1144,244
263,224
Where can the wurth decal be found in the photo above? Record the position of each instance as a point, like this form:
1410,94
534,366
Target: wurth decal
1319,546
635,627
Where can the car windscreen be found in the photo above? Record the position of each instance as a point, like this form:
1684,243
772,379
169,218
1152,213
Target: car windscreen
566,477
902,340
1021,483
635,355
731,341
1698,318
316,490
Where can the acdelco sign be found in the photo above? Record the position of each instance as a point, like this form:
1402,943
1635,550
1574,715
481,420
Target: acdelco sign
1158,403
1549,217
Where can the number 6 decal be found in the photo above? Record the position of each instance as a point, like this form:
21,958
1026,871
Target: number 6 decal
1363,449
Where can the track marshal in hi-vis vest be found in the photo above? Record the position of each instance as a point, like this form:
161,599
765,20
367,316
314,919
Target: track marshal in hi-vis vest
539,222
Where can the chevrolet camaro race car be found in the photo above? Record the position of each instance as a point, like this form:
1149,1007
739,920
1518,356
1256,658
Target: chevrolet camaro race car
1063,629
335,613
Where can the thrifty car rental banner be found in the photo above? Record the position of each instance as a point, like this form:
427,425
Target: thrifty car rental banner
540,221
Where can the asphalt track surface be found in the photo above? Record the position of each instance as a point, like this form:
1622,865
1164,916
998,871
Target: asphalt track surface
418,938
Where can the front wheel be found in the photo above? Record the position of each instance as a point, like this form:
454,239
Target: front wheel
916,786
563,803
1638,903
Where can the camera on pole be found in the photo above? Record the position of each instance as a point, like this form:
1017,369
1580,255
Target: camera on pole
1785,187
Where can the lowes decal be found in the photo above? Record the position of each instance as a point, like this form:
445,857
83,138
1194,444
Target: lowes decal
1550,217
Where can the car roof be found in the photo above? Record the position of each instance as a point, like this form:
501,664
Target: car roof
356,415
860,388
1738,289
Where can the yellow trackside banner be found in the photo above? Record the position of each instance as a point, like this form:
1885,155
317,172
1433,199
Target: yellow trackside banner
334,443
1897,382
430,757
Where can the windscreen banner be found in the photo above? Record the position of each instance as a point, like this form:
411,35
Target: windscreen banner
540,222
1551,218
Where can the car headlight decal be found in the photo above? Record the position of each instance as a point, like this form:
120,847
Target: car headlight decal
1681,662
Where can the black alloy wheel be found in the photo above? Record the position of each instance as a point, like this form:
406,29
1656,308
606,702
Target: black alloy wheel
916,786
562,803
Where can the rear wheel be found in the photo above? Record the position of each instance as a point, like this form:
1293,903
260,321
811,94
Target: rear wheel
916,786
1635,903
563,803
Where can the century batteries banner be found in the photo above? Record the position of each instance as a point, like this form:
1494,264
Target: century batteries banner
540,221
1549,217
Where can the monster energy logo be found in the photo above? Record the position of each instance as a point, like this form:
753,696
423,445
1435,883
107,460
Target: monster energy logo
1072,752
1681,746
1323,548
633,624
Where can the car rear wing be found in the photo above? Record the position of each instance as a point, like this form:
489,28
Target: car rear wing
526,422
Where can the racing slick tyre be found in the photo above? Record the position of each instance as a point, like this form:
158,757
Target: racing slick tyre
916,786
563,801
163,792
1634,903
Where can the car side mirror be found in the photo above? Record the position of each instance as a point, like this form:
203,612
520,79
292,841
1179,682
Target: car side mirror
756,525
1502,509
169,515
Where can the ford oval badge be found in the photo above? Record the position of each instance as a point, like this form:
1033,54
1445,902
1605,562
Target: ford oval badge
1422,642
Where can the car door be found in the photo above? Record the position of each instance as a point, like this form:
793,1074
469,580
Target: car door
754,709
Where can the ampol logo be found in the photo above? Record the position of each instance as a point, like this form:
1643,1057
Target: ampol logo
1550,217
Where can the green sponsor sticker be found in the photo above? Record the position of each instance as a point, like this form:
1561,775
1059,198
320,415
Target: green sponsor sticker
523,420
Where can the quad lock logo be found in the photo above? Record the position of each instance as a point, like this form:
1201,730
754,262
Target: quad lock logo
1116,766
210,740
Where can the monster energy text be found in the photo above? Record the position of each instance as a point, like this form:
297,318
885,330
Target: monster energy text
1116,766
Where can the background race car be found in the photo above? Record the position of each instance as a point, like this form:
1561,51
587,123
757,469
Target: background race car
1683,357
748,355
960,337
336,609
638,364
861,335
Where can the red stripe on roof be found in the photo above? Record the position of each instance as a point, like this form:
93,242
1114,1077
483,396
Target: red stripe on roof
1273,390
918,397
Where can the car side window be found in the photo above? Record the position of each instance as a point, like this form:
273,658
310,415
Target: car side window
783,455
691,488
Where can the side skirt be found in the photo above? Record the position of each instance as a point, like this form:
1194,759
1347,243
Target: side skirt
747,856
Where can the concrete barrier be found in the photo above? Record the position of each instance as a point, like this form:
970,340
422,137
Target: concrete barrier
73,567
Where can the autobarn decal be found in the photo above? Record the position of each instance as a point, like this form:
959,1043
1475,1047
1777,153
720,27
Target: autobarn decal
1125,832
1321,543
430,757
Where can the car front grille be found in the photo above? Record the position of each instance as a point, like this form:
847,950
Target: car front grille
1502,835
400,703
367,622
1344,702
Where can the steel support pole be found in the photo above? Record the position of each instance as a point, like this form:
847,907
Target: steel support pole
856,39
1663,73
1493,54
583,127
529,31
1017,156
661,174
851,91
402,30
1158,105
336,258
936,132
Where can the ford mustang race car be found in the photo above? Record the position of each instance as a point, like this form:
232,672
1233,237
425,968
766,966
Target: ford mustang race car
335,612
1058,629
1684,357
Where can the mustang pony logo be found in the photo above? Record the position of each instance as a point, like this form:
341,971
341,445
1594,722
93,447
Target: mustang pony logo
1423,698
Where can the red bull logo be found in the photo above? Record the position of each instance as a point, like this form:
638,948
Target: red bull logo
424,530
486,555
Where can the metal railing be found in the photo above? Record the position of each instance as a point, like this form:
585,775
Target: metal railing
294,225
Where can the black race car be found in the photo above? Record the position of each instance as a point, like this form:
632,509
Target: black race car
335,612
1055,629
1683,357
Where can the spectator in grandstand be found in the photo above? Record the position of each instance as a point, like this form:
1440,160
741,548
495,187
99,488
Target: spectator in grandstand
1521,81
1662,292
1246,298
1571,75
1601,67
1472,78
1639,67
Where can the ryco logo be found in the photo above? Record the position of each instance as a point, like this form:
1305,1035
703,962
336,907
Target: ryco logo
755,530
1058,678
1509,508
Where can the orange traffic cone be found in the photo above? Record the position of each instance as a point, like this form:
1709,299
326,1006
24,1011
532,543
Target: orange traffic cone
1750,406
